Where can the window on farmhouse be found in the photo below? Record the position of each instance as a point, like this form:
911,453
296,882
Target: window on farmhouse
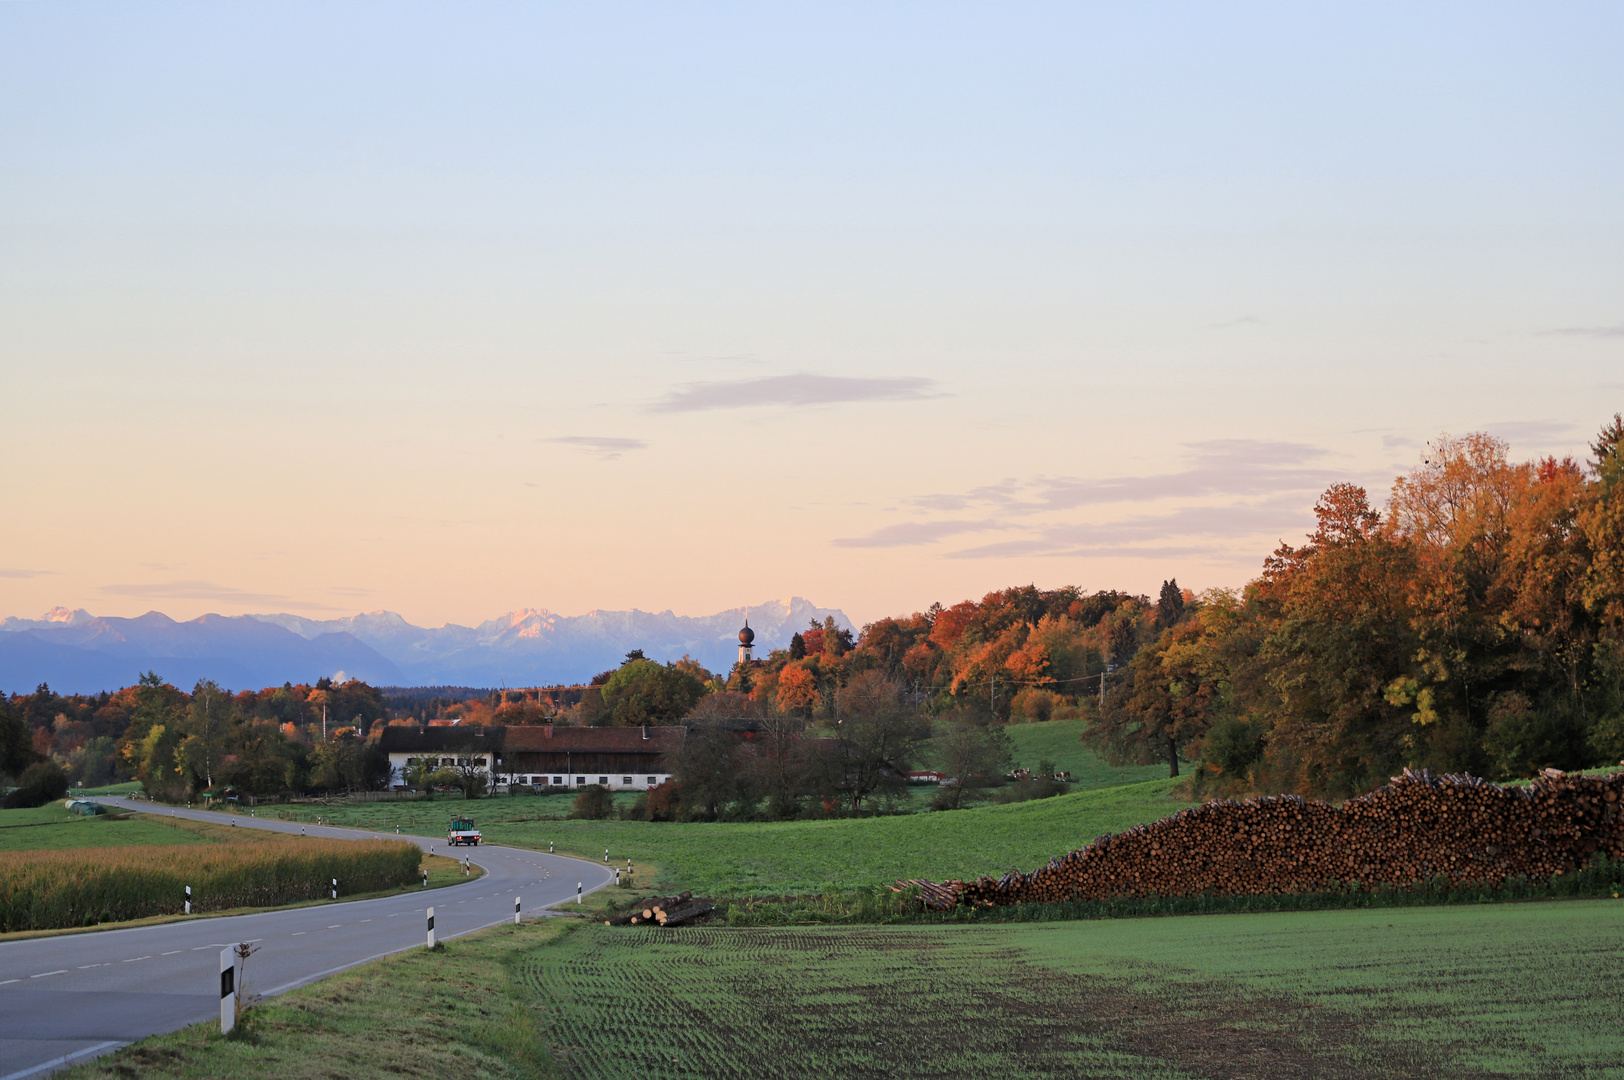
651,780
580,779
558,779
603,779
625,780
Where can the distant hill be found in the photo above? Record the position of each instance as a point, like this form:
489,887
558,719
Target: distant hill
77,652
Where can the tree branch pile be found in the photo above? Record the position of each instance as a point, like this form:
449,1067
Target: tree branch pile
1417,828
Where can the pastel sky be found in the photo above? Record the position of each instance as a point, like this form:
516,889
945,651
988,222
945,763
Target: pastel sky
455,308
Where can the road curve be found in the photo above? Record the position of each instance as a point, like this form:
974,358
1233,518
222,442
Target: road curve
70,997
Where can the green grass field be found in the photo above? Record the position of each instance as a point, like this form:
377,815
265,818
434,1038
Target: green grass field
53,826
1507,990
779,858
1060,741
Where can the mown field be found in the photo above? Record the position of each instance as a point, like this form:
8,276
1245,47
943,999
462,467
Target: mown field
53,826
1507,990
777,858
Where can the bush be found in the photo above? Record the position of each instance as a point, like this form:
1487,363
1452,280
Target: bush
1039,787
39,784
1036,704
594,803
1232,745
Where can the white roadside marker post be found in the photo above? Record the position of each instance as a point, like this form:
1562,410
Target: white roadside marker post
549,847
431,928
617,877
425,879
188,899
228,991
577,892
605,854
335,888
515,910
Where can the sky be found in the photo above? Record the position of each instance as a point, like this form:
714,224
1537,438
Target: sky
458,309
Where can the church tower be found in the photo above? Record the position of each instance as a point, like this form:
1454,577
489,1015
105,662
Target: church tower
747,638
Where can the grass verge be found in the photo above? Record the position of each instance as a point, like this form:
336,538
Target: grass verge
456,1012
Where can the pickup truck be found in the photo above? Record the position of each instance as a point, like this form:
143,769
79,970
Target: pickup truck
462,831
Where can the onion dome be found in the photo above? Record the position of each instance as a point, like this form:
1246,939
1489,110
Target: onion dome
747,635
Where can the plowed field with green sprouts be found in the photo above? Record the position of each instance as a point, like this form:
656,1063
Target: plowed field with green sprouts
1468,993
1525,990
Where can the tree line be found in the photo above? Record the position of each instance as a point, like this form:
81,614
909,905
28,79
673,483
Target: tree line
1475,623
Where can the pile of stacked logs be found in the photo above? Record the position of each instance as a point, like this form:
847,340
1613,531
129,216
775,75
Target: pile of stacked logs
664,911
1419,828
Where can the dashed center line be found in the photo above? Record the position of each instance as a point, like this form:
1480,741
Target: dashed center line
171,952
335,926
133,959
299,933
43,974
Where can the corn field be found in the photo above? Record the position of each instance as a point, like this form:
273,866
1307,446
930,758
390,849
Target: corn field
53,890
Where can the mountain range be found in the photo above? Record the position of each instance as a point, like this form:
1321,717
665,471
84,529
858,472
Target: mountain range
77,652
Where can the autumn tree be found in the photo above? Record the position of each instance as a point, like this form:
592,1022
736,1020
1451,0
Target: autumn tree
644,692
797,691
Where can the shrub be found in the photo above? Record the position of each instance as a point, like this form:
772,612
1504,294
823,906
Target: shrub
1039,787
594,803
1036,703
40,783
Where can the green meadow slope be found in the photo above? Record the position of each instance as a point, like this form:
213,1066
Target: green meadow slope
778,858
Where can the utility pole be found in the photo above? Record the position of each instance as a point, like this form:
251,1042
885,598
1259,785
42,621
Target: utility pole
1105,661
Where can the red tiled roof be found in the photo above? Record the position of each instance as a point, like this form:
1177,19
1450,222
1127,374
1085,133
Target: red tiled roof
600,740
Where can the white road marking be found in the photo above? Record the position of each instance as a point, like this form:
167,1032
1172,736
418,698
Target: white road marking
9,981
335,926
43,974
172,952
299,933
133,959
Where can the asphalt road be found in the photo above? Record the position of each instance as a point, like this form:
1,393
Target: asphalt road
70,997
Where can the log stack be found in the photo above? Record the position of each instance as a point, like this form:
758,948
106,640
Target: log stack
664,911
1418,828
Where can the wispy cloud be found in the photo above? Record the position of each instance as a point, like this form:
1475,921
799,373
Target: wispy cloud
795,390
25,573
910,533
1039,549
208,590
605,447
1220,468
1535,432
1140,534
1589,331
1233,491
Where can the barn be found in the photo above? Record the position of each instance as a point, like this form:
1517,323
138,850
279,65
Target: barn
619,758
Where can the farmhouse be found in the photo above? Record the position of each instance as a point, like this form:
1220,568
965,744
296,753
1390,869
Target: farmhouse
619,758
